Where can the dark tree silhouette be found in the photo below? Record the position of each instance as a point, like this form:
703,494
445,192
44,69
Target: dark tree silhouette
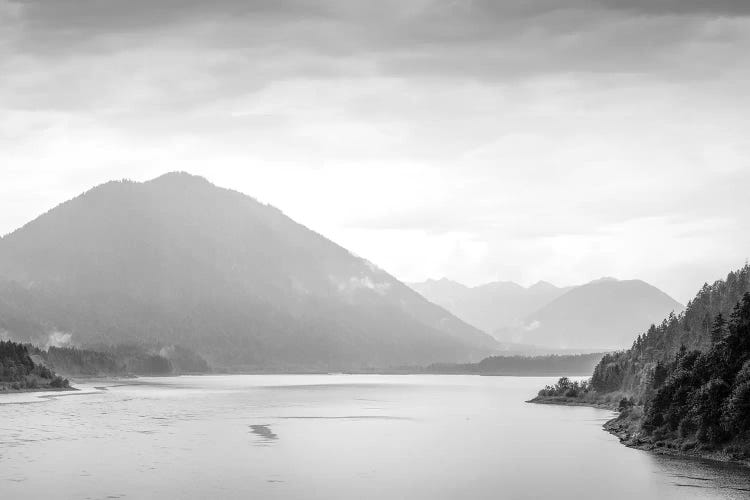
19,371
706,395
718,329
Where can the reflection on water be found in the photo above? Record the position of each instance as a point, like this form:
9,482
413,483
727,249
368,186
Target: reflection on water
337,436
264,431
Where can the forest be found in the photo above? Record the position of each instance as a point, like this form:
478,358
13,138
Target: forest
75,361
634,370
684,383
705,396
124,359
25,366
19,371
522,365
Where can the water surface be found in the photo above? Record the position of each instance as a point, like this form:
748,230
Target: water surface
330,436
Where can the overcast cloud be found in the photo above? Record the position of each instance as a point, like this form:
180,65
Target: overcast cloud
479,140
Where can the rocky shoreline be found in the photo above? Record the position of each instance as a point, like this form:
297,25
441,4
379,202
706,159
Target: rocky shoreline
626,427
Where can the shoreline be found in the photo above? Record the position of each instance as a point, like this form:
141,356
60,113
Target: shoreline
620,427
566,401
622,431
5,390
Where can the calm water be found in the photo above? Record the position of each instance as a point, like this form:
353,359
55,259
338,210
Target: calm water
335,436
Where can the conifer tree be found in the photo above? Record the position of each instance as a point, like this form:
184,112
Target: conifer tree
718,329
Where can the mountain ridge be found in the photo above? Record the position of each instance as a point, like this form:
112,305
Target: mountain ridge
170,258
533,316
492,307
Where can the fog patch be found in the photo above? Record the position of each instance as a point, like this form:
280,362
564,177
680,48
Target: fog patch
166,352
58,339
532,326
299,287
363,282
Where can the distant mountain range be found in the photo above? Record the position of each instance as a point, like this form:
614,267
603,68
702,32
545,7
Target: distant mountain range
603,314
496,307
177,260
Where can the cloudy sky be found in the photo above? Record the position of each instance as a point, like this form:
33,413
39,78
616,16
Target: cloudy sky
560,140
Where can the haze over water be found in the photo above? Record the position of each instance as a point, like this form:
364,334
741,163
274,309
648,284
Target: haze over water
330,436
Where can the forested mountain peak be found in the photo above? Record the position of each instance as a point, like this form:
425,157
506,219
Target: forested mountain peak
179,260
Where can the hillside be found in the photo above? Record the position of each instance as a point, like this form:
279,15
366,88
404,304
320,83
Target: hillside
602,314
523,366
684,385
177,260
498,307
22,370
124,359
632,370
704,397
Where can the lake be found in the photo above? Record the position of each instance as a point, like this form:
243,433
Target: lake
330,436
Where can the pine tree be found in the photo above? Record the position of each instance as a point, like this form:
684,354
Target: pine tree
719,329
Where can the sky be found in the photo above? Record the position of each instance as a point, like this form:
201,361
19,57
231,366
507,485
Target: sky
480,140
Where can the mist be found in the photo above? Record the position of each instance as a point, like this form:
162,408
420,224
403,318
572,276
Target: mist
423,249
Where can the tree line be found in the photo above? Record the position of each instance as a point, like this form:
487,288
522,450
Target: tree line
705,395
552,364
635,370
689,375
19,371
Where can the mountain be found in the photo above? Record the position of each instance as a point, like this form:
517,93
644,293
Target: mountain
497,307
177,260
444,292
603,314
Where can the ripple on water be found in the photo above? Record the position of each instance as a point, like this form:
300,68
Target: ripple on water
365,441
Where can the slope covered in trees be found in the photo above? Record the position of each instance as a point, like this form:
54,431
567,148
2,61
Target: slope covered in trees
536,366
74,361
177,260
684,385
18,370
124,359
634,371
705,396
